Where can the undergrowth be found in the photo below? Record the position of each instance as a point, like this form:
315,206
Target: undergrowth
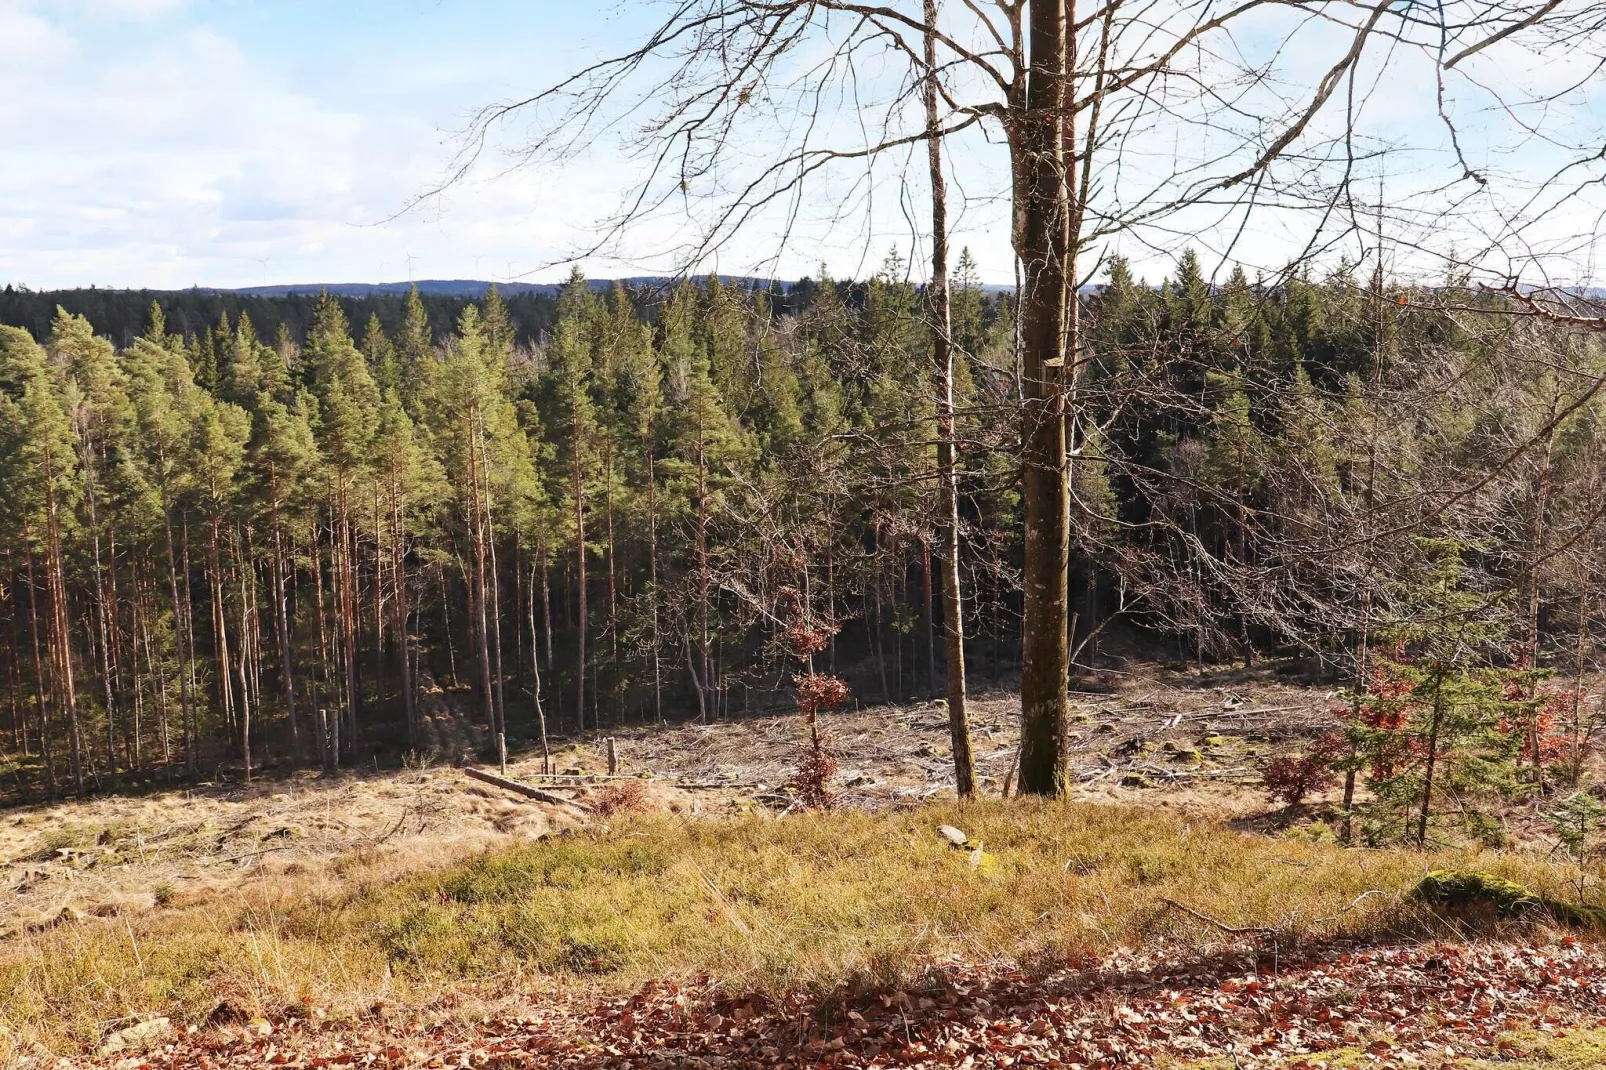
813,900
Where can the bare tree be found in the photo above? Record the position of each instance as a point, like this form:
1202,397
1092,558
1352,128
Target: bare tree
1138,121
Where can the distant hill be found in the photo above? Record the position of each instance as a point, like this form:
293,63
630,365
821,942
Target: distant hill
470,288
123,314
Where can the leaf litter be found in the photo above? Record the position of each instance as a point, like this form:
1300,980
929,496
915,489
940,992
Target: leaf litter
1391,1006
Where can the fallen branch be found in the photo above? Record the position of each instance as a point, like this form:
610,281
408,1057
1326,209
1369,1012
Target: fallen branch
1358,901
1235,930
576,779
519,788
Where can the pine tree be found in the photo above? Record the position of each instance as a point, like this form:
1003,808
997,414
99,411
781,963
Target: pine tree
347,416
40,474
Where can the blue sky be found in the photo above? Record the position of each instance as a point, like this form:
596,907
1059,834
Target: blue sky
169,143
226,142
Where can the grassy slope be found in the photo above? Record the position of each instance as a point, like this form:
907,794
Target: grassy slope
756,903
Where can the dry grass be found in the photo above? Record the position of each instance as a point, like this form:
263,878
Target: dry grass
811,900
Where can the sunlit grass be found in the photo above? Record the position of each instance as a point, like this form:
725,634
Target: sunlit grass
810,900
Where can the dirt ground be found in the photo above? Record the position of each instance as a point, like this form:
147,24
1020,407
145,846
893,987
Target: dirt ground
1151,738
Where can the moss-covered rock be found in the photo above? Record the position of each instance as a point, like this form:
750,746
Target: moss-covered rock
1470,890
1460,890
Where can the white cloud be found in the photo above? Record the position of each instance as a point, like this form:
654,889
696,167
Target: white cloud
135,9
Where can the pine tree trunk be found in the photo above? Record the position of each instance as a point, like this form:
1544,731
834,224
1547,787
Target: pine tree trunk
192,730
39,678
1432,759
61,640
495,584
379,603
398,580
535,689
220,629
613,585
580,574
102,625
281,617
652,581
702,565
322,688
247,654
477,541
349,615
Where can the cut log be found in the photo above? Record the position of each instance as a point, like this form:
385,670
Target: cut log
526,790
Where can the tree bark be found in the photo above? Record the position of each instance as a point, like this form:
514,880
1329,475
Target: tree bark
1043,187
947,478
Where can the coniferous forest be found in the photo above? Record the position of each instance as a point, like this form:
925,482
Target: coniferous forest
227,549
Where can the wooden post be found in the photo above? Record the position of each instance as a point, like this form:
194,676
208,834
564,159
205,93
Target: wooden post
613,757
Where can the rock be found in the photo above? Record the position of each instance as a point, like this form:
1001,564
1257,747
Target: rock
952,835
136,1037
1472,891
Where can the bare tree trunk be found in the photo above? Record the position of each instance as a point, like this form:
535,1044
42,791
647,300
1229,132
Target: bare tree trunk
1535,570
947,478
1044,178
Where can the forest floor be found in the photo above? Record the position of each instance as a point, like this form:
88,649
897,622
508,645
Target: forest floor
91,884
1152,740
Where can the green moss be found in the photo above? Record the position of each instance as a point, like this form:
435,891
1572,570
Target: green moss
1471,890
1582,1049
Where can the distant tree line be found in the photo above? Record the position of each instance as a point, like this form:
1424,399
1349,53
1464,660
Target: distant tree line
122,315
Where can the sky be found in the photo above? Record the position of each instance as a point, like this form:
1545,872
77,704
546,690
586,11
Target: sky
174,143
170,143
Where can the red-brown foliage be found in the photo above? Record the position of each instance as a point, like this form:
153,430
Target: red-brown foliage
812,781
1292,778
620,797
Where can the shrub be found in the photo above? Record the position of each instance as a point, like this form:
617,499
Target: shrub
620,797
1290,779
